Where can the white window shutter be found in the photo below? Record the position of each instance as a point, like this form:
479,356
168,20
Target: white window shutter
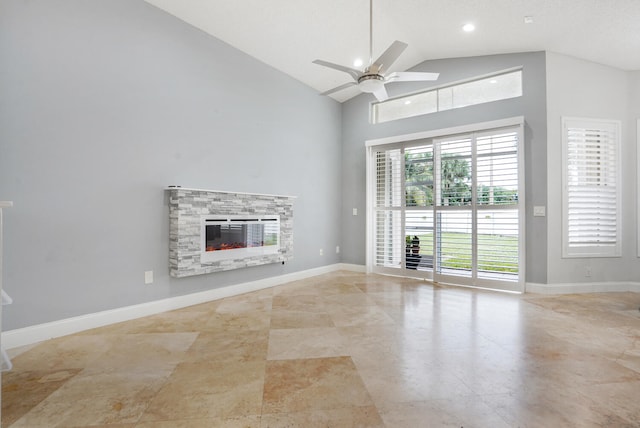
591,188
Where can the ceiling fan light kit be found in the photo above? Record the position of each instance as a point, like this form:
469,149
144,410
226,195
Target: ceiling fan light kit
372,79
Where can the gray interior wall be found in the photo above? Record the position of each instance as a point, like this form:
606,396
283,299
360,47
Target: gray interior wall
532,105
104,104
634,104
579,88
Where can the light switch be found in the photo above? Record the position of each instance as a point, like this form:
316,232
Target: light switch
355,211
539,211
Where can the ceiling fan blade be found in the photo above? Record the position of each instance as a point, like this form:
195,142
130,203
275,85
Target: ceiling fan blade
381,94
339,88
410,76
351,71
388,57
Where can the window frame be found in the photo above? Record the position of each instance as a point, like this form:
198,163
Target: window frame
401,141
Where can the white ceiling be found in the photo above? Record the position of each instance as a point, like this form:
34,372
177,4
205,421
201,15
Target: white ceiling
289,34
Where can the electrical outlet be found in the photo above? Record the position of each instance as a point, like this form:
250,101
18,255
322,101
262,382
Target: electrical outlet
148,277
337,249
321,252
587,272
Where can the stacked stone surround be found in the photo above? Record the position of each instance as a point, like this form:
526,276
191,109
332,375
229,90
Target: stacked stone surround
188,206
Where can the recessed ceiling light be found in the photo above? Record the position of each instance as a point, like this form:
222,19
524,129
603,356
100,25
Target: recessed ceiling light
468,27
528,19
493,81
407,102
357,62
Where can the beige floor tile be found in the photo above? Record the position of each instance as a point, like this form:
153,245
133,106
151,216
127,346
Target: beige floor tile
233,346
468,412
345,316
23,390
130,353
177,321
95,399
288,344
293,386
402,381
299,319
344,349
616,400
247,320
219,389
299,302
68,352
349,417
231,422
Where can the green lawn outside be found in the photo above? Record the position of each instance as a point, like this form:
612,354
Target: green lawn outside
496,253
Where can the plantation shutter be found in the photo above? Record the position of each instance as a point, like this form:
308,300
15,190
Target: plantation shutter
497,204
454,214
388,237
591,191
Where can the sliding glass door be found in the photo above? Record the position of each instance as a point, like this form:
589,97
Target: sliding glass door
448,209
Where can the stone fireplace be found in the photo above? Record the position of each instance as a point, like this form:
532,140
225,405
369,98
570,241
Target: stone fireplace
213,231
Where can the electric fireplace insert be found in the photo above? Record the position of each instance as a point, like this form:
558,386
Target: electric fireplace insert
234,237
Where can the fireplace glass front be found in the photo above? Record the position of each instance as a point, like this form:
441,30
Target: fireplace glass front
237,237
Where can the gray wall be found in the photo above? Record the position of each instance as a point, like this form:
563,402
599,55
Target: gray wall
579,88
105,103
532,105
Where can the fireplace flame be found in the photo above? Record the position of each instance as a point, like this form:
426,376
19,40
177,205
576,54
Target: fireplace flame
226,246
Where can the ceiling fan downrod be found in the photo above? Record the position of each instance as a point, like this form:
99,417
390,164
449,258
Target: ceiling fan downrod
370,33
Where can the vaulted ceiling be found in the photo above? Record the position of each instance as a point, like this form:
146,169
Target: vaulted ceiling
289,34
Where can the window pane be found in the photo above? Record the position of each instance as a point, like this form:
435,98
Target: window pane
418,176
419,239
476,91
486,90
454,252
497,169
412,105
455,172
498,244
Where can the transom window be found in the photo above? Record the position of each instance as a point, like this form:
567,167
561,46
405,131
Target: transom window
479,90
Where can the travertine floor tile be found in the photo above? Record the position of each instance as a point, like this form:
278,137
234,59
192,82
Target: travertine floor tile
344,349
347,417
299,302
95,399
293,386
467,412
232,346
23,390
231,422
300,319
299,343
219,389
76,351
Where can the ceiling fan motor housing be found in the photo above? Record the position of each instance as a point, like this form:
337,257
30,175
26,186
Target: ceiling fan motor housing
370,83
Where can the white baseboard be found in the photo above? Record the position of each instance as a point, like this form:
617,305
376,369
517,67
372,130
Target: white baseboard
38,333
352,267
589,287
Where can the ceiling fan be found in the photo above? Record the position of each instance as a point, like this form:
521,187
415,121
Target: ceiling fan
373,78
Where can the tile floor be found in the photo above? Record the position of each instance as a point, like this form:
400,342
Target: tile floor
344,350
